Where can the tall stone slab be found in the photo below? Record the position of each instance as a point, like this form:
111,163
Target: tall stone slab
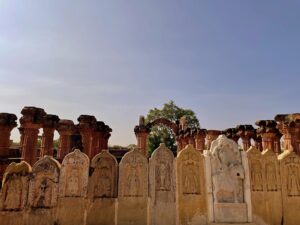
265,187
73,184
103,184
229,197
14,193
290,181
191,193
133,189
162,185
43,192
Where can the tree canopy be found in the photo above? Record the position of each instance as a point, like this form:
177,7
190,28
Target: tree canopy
162,134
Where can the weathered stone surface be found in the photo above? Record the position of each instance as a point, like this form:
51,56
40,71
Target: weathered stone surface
290,181
191,193
73,188
162,185
15,187
133,189
103,189
265,186
43,192
228,169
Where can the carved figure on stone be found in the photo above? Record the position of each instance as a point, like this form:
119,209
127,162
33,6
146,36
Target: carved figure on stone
163,173
104,176
271,177
43,189
74,175
133,175
293,184
227,171
15,186
256,177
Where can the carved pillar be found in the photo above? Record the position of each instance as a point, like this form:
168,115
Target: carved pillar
232,134
258,141
7,123
246,132
141,132
31,122
86,126
65,128
200,139
49,126
289,126
268,132
105,140
211,136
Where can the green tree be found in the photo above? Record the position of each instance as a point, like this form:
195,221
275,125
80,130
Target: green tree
162,134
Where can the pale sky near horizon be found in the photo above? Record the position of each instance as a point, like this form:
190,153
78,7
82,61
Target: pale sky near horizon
231,62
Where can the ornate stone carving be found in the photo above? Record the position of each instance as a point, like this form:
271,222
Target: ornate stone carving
43,187
74,175
133,175
227,171
271,176
256,176
15,186
104,177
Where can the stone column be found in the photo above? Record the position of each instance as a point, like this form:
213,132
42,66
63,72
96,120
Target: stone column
211,136
49,126
65,128
246,132
141,132
7,123
200,139
258,141
268,132
289,126
86,126
31,122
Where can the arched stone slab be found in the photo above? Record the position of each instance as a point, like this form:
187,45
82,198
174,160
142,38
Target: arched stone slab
73,184
133,189
229,172
191,193
103,189
290,181
43,192
14,193
162,185
265,186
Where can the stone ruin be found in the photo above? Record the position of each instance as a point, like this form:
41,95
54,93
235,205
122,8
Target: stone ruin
210,181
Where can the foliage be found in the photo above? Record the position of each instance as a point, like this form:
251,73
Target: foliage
163,134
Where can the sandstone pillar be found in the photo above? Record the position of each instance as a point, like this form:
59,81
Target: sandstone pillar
7,123
65,129
211,136
246,132
289,126
269,134
49,126
200,139
86,126
141,132
31,122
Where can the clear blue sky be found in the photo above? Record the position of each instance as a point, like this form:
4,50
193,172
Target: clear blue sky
230,61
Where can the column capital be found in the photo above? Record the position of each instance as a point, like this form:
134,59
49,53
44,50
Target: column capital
32,117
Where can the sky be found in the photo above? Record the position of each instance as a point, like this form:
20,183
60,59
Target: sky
231,62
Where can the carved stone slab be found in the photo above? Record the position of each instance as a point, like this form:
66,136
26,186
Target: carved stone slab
191,193
133,189
290,181
104,177
265,186
229,174
15,186
162,186
74,175
43,187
